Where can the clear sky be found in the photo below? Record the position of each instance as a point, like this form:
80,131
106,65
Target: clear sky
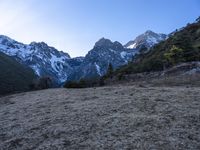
75,25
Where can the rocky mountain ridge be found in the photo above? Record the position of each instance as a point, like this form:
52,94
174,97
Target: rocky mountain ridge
48,61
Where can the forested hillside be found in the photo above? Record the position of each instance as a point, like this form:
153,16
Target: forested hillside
13,75
182,46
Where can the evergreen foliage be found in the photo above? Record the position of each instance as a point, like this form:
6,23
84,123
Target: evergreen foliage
14,77
110,69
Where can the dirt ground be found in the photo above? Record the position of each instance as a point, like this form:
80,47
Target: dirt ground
113,117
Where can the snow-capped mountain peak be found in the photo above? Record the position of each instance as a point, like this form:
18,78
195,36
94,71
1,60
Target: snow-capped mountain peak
148,39
97,60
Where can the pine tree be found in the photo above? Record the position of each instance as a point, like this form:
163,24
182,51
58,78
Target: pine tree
110,70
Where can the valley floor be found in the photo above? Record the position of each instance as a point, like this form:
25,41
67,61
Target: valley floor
112,117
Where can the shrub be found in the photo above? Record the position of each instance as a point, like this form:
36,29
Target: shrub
74,84
41,83
101,81
70,84
120,76
85,83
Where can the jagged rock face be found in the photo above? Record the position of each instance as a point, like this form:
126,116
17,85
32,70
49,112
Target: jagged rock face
44,60
148,39
96,62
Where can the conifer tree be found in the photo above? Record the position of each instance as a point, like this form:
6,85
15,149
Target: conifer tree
110,70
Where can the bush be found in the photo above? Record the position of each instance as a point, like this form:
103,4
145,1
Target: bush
120,76
41,83
75,84
101,81
84,83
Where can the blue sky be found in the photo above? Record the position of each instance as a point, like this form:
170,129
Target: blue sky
75,25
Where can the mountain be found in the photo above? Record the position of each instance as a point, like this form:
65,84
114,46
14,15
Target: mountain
180,47
104,52
43,59
148,39
48,61
13,75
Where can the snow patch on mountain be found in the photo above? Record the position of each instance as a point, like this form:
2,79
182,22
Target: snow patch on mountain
36,69
98,69
56,61
112,50
131,46
123,54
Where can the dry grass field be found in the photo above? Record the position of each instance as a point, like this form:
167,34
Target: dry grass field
111,117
